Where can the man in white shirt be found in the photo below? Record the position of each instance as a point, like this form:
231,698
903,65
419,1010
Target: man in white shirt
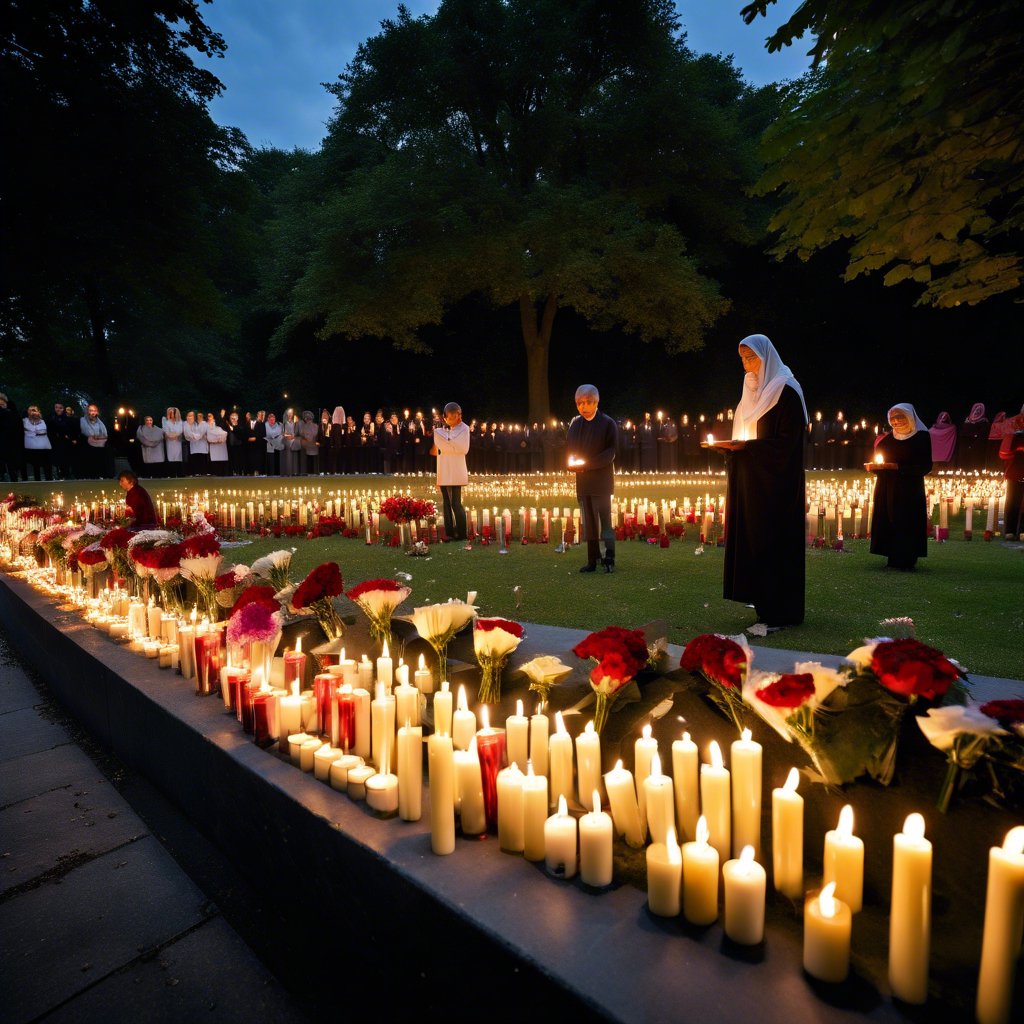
451,443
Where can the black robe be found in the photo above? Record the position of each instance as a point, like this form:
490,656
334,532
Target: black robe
764,510
899,522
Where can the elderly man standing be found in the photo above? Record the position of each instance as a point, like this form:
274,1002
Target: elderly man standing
451,444
590,445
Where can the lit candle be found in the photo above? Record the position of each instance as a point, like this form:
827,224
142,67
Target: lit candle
364,672
664,876
470,788
363,738
343,718
827,924
596,846
441,775
643,752
700,877
560,842
290,710
443,709
307,752
715,801
1004,918
407,703
410,772
685,773
385,668
659,799
490,748
745,883
844,861
622,800
382,789
745,765
517,737
402,673
560,761
535,813
511,810
423,679
382,723
295,664
463,723
911,912
588,762
539,726
788,838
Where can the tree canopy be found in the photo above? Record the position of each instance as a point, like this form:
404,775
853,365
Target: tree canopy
905,142
551,154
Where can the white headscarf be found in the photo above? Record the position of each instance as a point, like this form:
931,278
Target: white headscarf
761,390
911,413
338,416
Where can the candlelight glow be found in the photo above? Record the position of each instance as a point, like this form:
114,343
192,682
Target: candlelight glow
384,653
485,718
845,826
460,701
597,802
1014,841
559,724
588,728
422,662
746,860
519,708
913,827
878,459
745,735
298,646
563,807
655,764
792,781
711,437
646,731
716,755
826,900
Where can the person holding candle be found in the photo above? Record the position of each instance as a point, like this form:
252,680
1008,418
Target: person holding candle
591,442
451,444
764,530
899,522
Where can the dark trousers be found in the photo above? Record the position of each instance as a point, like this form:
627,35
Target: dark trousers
39,459
596,524
1014,514
454,513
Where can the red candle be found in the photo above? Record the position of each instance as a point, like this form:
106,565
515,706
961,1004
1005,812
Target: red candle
295,666
343,735
261,717
207,663
249,688
323,691
490,748
237,679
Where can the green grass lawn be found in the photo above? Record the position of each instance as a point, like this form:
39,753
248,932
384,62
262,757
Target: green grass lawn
965,598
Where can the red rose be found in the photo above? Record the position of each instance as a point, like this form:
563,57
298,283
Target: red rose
629,644
251,595
788,691
115,539
912,669
92,555
614,671
717,657
1006,712
200,545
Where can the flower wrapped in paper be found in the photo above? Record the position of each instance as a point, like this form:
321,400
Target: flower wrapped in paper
438,624
401,509
377,600
275,567
317,592
229,585
544,672
494,640
723,662
201,571
156,554
620,655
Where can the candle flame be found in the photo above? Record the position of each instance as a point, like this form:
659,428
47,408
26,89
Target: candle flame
384,653
686,736
589,728
913,827
792,781
716,754
422,664
445,686
1014,841
702,831
295,688
879,459
298,645
646,731
529,768
559,724
597,802
346,688
655,765
746,860
563,807
460,702
745,735
519,709
711,438
485,717
845,826
827,901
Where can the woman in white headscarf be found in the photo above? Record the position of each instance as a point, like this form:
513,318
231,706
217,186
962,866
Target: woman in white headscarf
903,458
764,509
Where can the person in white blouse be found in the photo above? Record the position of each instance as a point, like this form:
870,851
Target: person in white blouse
274,433
151,442
38,450
194,432
217,439
173,426
451,444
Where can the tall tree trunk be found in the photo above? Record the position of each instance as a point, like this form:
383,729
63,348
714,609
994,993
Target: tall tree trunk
106,381
536,326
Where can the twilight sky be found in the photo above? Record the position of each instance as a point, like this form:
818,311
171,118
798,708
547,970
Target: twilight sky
280,51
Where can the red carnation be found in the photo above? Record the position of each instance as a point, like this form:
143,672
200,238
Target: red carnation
225,581
1006,712
115,539
717,657
92,555
199,545
912,669
324,582
368,585
788,691
509,627
256,594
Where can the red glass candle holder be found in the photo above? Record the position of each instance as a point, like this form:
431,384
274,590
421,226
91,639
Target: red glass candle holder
249,689
261,718
294,668
490,748
207,663
323,689
237,679
343,721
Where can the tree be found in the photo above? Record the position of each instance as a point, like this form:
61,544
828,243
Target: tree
115,193
546,154
906,142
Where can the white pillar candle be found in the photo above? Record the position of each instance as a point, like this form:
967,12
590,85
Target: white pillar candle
539,726
323,759
442,793
560,762
622,799
517,737
827,926
407,704
511,810
382,793
659,799
745,883
468,783
1004,919
685,773
307,752
535,813
844,861
290,710
596,846
443,709
410,772
362,745
715,802
560,832
788,838
153,616
664,876
402,674
463,723
700,877
643,751
385,668
588,762
364,673
423,678
357,779
745,766
910,916
340,768
382,723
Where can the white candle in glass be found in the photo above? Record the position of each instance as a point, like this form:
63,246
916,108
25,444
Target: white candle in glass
700,877
1004,919
685,775
290,710
827,926
715,801
442,793
660,801
664,876
622,799
560,762
643,752
788,838
511,809
745,884
535,813
911,912
560,833
844,861
745,766
596,846
463,723
539,727
517,737
588,762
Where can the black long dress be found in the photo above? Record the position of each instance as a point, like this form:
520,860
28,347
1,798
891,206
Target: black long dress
764,516
899,522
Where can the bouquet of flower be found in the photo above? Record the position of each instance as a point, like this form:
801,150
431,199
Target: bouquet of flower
157,554
723,663
544,672
115,547
620,654
200,564
972,736
256,621
378,599
317,591
51,540
229,585
438,624
275,567
401,508
493,641
90,558
253,595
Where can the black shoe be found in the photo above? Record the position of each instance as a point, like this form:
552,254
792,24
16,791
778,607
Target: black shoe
608,563
589,567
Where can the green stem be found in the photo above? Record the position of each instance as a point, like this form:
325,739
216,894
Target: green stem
601,711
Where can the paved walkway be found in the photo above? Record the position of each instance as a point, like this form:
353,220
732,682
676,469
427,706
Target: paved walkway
98,922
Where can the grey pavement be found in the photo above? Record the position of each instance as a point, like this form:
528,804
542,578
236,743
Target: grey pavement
98,922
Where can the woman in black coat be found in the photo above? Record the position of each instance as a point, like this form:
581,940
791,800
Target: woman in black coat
899,522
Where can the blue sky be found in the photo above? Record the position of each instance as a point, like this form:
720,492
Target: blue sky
280,51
